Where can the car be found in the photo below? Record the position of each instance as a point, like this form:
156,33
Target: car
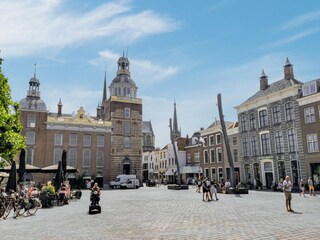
150,183
131,183
120,179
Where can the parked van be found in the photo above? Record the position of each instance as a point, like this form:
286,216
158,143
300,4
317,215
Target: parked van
131,183
121,179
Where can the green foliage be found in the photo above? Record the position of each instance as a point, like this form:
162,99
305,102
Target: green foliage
49,188
11,140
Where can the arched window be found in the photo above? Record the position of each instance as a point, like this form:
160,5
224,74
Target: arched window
116,91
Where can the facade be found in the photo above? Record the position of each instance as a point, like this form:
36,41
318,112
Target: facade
100,147
215,163
270,132
309,108
86,139
124,110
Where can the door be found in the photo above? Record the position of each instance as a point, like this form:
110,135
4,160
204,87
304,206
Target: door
269,179
126,168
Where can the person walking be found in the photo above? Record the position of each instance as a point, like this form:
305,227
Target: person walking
311,187
213,190
302,188
287,188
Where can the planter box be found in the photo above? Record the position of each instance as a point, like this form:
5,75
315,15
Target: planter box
177,187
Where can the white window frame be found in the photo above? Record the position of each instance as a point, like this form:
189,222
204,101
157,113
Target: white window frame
58,139
30,138
87,140
73,139
72,159
219,150
31,120
309,115
29,156
86,158
206,159
197,157
211,140
127,112
312,143
99,158
213,176
57,155
205,172
100,140
217,142
212,155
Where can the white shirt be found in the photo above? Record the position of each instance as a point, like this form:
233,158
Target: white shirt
287,186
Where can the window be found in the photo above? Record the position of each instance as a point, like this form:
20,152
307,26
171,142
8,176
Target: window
29,156
30,138
100,158
205,141
292,140
87,140
127,142
57,155
211,140
31,121
245,147
247,172
309,88
73,139
127,113
281,171
252,122
276,115
243,121
206,157
100,141
289,111
265,144
119,91
72,161
234,141
197,157
254,146
189,158
58,139
213,174
116,91
118,127
219,155
312,143
268,167
218,138
148,141
126,128
279,142
235,155
212,156
309,115
263,118
86,157
220,174
206,172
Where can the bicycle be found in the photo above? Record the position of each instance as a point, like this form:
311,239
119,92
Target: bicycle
26,205
10,203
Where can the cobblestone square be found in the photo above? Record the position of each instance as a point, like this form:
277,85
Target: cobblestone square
158,213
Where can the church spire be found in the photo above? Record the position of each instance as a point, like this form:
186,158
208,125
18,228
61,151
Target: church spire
104,96
176,132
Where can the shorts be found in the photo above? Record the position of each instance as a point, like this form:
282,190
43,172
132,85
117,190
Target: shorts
311,188
288,195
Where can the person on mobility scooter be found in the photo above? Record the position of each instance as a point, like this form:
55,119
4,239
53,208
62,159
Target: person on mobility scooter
95,198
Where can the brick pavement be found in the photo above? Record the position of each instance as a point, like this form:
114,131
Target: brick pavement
158,213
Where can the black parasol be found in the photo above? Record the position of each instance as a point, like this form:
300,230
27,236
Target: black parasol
59,177
22,165
12,180
64,163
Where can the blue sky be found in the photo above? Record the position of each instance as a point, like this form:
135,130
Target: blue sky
184,50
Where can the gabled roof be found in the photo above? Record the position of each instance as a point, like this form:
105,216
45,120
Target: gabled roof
274,87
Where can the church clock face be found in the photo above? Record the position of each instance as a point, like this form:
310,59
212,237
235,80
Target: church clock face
81,116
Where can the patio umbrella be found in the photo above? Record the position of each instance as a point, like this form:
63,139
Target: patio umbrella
64,163
12,180
22,165
59,176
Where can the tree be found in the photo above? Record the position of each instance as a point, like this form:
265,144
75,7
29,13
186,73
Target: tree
11,140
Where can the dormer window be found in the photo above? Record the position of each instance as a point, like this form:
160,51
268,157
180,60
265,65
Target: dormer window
309,88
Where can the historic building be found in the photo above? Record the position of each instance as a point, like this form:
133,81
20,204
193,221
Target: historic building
215,162
309,108
100,147
270,133
124,110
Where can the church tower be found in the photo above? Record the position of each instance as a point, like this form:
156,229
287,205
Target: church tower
124,110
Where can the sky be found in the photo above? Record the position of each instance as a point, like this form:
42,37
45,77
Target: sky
183,51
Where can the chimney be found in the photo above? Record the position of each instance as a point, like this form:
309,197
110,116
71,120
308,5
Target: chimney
263,81
60,107
288,70
201,128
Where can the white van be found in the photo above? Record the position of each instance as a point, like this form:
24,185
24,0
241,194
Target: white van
131,183
121,179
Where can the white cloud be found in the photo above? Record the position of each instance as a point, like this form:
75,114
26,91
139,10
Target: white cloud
28,28
145,71
292,38
301,20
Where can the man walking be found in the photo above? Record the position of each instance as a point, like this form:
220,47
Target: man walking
287,188
311,187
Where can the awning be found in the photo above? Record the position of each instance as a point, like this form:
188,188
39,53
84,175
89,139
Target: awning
54,168
170,172
29,168
190,169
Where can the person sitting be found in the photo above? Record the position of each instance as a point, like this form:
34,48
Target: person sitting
95,194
